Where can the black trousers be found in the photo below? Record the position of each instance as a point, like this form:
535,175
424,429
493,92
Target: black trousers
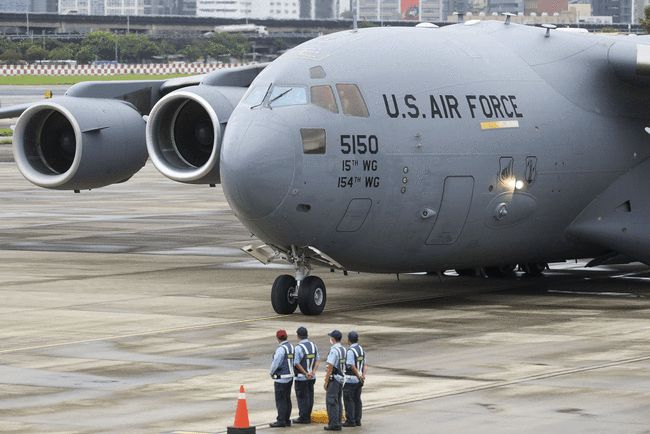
352,400
283,401
305,398
333,403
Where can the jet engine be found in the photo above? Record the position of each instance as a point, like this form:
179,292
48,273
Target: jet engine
185,129
71,143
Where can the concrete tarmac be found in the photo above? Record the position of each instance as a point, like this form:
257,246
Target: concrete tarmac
131,309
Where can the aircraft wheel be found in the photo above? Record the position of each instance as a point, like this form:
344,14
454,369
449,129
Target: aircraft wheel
312,296
283,295
470,272
534,269
500,271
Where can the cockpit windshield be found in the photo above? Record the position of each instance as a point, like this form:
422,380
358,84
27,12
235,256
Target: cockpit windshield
283,96
256,96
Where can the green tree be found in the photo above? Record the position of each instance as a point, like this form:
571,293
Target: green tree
166,48
85,55
192,53
50,44
101,44
61,53
10,56
217,49
225,44
35,52
645,21
136,48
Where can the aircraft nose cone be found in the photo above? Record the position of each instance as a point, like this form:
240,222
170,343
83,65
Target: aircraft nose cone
257,166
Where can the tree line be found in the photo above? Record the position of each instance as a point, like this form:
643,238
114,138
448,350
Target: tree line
129,48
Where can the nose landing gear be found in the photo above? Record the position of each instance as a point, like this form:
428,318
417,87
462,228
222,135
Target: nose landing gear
287,294
304,291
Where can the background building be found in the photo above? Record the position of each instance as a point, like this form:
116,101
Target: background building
619,10
379,10
581,10
185,7
44,6
81,7
258,9
421,10
503,6
14,6
548,6
319,9
124,7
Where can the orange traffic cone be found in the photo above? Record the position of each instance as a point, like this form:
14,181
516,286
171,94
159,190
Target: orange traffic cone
241,425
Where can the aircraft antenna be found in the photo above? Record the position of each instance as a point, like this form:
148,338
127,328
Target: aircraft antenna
508,15
353,7
548,28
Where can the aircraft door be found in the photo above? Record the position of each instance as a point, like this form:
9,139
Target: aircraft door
454,209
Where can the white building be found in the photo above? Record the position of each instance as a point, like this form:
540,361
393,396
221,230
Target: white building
101,7
258,9
124,7
395,10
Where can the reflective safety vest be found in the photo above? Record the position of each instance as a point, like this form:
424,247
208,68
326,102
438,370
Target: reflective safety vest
309,355
285,370
339,369
359,359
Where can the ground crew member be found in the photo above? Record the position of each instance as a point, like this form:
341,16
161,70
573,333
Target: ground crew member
306,364
334,380
355,377
282,374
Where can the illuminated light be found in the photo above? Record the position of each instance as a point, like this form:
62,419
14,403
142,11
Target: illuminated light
519,184
511,183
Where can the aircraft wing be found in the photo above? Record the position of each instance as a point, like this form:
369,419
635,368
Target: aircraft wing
147,92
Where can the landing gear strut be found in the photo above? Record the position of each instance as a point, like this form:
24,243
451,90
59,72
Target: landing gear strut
304,290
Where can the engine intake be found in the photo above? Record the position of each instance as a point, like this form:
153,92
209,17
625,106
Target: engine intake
73,143
184,132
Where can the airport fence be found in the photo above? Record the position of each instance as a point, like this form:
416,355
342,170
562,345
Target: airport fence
111,69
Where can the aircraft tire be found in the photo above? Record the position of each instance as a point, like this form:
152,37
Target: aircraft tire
500,271
312,296
281,300
534,269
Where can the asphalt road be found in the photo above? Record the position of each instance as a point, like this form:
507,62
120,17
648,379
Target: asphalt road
132,309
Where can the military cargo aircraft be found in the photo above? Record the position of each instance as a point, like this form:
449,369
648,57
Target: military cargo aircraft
480,145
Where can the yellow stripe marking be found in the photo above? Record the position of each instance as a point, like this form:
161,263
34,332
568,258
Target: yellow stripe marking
496,125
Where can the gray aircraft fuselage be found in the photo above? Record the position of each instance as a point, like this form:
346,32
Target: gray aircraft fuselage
483,143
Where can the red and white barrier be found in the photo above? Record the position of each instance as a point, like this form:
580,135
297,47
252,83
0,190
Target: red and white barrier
111,69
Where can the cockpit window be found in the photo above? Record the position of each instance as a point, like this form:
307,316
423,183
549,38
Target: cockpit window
313,140
352,100
283,96
256,96
322,96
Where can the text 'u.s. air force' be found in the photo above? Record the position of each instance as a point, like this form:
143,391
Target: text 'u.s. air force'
452,107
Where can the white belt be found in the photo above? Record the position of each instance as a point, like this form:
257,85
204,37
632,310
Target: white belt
275,377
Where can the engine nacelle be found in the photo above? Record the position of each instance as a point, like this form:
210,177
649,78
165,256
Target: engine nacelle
185,129
73,143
